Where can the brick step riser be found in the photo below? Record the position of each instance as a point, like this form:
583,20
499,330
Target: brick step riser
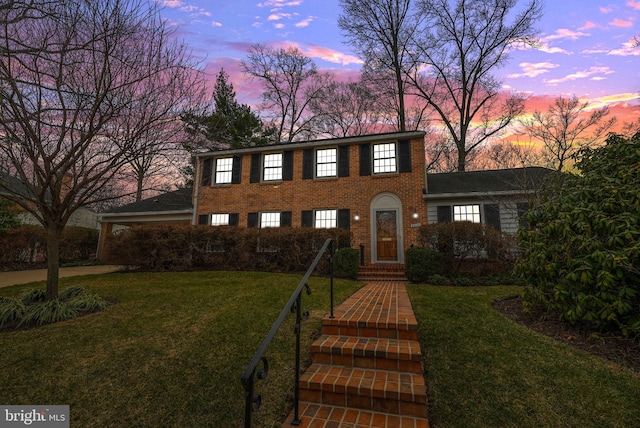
378,363
357,401
369,332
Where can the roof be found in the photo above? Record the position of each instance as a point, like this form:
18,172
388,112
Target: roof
492,181
315,143
178,200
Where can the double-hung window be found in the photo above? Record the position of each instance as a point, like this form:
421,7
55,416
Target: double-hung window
219,219
224,170
272,167
326,219
466,213
326,162
384,158
270,219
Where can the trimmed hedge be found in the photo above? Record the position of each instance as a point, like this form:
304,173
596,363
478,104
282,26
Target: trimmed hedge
346,262
26,246
182,247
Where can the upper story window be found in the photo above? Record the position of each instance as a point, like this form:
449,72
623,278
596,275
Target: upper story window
466,213
326,162
224,169
326,219
384,158
272,167
269,219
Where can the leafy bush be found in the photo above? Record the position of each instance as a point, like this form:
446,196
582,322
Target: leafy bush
48,312
582,250
422,263
71,292
33,296
11,311
469,247
181,247
345,263
87,303
438,280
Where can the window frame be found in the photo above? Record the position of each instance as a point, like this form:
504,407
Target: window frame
458,214
384,167
334,162
213,216
228,172
329,222
269,222
265,168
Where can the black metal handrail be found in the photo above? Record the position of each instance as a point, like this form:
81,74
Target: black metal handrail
252,401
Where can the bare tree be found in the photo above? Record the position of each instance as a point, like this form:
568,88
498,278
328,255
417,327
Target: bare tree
457,48
380,31
566,127
69,75
344,109
290,81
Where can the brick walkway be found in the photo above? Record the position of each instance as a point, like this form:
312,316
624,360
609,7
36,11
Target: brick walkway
366,367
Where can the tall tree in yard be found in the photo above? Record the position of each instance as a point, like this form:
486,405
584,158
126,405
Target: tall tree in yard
290,82
225,123
566,128
70,74
380,31
458,47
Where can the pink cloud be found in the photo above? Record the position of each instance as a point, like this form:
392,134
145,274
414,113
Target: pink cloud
621,23
605,10
588,25
581,75
634,4
305,22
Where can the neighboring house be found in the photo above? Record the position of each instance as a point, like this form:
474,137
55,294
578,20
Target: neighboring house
172,207
498,197
371,185
82,217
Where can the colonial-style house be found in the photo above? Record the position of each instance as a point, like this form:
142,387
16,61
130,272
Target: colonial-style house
372,185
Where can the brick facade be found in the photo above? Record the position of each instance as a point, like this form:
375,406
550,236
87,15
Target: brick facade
355,192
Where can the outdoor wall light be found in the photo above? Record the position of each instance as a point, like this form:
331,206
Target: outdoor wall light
356,217
415,215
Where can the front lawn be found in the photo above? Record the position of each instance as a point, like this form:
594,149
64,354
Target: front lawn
169,352
484,370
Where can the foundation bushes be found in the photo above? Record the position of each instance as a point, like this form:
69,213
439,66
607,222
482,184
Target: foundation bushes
181,247
460,251
346,262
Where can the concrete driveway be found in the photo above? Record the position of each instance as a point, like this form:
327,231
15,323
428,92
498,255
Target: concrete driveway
24,276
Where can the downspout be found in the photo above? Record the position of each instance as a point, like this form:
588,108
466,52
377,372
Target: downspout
196,189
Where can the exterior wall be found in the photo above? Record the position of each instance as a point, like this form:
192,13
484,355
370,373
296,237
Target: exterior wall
509,218
354,192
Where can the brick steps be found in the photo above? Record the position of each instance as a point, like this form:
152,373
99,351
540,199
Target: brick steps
366,366
365,352
382,272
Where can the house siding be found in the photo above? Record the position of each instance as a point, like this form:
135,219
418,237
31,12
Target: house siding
354,192
509,219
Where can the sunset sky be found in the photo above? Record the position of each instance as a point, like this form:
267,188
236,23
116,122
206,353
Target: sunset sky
586,46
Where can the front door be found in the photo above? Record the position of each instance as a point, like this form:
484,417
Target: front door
387,235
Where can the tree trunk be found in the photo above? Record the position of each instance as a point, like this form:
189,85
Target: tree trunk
53,261
462,159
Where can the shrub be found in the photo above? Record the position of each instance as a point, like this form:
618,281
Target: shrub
11,311
438,280
469,247
582,249
182,247
422,263
48,312
87,303
33,296
71,292
345,263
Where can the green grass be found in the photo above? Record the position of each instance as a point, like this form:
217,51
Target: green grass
170,352
483,370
